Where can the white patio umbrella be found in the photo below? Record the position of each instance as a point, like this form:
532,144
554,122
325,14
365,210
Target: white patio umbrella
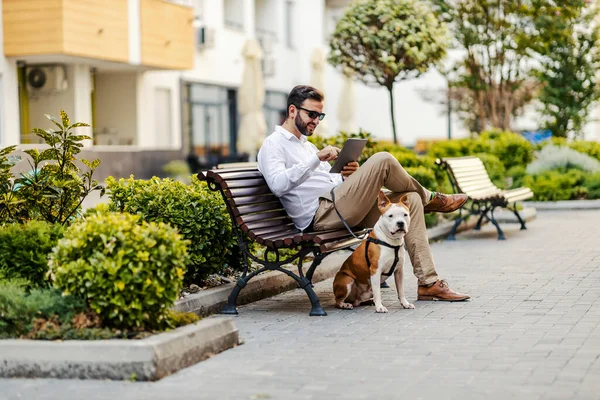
251,98
346,106
317,80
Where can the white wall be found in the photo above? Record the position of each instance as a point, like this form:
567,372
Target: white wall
9,97
116,109
149,134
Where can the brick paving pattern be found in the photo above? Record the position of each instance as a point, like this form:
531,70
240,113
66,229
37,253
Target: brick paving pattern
530,331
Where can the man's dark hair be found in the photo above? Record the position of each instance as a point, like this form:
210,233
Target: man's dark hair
301,93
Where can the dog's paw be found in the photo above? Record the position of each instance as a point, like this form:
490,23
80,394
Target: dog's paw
406,304
344,306
381,309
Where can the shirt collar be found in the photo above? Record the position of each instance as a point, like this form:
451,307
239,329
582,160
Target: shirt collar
288,135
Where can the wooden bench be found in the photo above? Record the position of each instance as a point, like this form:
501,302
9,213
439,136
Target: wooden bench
469,176
258,215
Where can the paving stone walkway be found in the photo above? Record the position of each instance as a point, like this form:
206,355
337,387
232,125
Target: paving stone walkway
530,331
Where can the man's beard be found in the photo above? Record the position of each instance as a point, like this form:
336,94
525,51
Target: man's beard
302,126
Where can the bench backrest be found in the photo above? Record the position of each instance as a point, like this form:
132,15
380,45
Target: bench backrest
256,210
260,214
469,176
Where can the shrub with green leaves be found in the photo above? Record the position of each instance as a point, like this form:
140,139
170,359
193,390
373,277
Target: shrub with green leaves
54,187
341,138
557,185
592,184
562,158
24,251
19,309
128,271
198,213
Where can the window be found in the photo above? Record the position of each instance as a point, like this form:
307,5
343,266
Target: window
233,13
212,119
275,104
289,24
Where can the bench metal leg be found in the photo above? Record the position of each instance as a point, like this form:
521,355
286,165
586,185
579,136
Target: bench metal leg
455,227
316,262
521,220
477,226
316,309
230,307
493,221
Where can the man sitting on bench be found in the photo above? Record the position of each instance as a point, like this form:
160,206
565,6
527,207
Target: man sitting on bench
298,173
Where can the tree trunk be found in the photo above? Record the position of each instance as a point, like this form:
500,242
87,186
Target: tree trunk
391,91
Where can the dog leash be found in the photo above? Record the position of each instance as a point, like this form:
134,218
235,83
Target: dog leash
369,240
344,221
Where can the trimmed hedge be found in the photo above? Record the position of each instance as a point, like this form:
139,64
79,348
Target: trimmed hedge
24,250
198,213
128,271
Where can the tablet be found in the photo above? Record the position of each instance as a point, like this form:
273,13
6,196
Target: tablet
350,152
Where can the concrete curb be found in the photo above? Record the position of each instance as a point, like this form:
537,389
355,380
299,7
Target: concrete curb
147,359
564,205
269,284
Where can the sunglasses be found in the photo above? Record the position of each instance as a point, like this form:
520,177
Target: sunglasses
313,114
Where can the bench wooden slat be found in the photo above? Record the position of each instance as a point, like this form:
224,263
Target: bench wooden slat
220,176
269,231
250,191
261,216
244,201
243,183
255,208
335,235
253,226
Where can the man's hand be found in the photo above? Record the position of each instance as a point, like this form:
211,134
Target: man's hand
349,169
328,153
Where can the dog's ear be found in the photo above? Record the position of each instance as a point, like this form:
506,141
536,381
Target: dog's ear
382,201
404,200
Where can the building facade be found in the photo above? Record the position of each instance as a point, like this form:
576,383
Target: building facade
157,80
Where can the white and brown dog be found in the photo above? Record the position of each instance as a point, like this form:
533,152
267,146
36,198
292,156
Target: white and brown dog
382,253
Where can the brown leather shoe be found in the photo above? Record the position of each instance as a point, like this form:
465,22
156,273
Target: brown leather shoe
440,291
444,203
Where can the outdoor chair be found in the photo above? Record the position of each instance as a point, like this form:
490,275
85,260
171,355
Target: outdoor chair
469,176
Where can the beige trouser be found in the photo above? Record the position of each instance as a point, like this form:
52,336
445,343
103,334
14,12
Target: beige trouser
356,200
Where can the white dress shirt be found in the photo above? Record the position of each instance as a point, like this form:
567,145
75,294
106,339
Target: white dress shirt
295,174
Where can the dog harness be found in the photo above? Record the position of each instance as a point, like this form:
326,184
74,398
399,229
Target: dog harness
382,243
370,240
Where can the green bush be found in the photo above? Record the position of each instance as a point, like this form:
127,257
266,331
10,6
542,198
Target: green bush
177,169
557,185
129,272
515,176
510,148
495,169
19,310
198,213
592,184
592,149
24,250
339,140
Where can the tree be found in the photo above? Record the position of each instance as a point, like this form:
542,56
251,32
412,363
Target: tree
386,41
566,43
491,80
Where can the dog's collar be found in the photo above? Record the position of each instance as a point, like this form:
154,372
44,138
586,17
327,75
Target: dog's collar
397,248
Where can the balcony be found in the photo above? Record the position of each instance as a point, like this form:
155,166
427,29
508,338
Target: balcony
159,34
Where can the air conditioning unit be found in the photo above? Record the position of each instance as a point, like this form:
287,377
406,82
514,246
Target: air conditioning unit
266,43
46,78
268,65
205,38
